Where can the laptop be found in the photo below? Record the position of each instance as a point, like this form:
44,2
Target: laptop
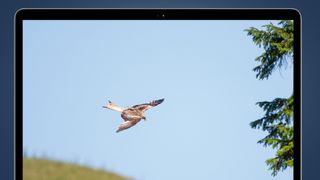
153,94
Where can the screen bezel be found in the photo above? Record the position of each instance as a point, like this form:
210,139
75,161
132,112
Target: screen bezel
152,14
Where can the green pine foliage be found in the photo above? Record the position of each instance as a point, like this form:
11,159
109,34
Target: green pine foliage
278,122
277,42
278,45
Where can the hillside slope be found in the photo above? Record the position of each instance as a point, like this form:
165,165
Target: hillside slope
40,169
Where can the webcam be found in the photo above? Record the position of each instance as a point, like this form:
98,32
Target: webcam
161,15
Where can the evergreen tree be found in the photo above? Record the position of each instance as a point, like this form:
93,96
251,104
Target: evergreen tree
277,42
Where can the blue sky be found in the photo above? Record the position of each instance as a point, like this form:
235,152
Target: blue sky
203,69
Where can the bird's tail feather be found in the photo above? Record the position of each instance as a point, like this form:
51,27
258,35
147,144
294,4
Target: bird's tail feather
113,106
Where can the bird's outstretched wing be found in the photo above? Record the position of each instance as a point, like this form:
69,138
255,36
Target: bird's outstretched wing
146,106
125,125
113,106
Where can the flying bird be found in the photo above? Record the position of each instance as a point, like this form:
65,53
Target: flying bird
132,115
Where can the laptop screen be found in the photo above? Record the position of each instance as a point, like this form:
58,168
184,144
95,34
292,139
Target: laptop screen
158,99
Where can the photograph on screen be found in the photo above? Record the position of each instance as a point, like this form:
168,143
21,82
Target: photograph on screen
157,99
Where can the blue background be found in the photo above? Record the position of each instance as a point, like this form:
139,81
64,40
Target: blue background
310,86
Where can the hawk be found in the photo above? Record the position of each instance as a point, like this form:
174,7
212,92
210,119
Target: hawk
132,115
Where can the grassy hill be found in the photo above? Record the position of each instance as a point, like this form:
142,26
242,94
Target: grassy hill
41,169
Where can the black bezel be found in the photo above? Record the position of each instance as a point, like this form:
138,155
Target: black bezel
154,14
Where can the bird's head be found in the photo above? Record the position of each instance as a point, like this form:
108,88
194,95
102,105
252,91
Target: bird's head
144,118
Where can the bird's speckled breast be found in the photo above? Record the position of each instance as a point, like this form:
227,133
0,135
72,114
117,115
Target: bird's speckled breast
131,115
